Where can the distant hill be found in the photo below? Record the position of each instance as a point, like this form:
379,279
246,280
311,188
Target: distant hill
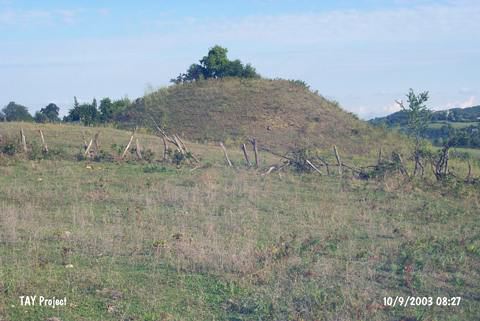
462,122
279,113
462,115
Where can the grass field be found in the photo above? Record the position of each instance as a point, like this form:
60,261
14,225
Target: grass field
151,241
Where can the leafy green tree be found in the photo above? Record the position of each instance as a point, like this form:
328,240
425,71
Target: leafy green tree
88,114
418,118
216,65
40,118
216,62
120,105
16,112
106,110
74,113
48,114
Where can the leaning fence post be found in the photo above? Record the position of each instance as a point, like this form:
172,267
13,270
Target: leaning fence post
137,149
244,148
339,162
24,141
165,148
87,150
255,150
128,145
226,155
45,147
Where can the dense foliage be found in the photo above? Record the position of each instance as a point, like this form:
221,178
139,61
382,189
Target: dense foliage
90,113
49,114
16,112
216,65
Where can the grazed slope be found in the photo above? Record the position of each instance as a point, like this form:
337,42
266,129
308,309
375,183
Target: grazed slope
279,113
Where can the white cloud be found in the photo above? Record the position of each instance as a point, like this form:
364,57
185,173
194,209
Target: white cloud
469,102
11,17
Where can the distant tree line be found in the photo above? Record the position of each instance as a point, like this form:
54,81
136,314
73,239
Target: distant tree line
462,137
216,65
87,114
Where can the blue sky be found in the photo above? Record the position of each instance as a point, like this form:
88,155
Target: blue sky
364,53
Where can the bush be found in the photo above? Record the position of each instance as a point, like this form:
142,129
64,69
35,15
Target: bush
10,149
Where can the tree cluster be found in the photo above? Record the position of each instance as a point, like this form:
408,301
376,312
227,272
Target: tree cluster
15,112
87,113
91,113
216,65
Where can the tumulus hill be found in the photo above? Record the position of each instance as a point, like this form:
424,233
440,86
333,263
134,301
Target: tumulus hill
279,113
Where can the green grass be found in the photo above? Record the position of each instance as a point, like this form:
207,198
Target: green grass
156,242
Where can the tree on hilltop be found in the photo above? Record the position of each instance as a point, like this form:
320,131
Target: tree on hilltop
216,65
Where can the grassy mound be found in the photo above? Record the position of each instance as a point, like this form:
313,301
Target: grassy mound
279,113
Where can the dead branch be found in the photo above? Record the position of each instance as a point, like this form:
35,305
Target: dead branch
324,163
339,162
129,144
276,153
271,169
165,148
313,166
87,150
245,154
226,155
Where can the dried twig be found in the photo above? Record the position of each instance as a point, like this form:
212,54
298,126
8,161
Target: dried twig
226,155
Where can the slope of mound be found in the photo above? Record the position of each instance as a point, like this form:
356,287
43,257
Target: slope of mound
279,113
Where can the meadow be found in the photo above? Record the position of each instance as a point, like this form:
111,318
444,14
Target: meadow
137,240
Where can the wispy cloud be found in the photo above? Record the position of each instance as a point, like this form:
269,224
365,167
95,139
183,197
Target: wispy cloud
35,18
469,102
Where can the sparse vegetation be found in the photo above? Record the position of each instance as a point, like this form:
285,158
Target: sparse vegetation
138,241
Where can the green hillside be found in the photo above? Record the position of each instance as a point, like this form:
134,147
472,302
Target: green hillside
279,113
463,123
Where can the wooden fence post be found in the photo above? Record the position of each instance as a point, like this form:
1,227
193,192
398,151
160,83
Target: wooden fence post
129,144
339,162
87,150
226,155
255,150
313,166
95,143
244,148
137,149
23,139
165,148
45,147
